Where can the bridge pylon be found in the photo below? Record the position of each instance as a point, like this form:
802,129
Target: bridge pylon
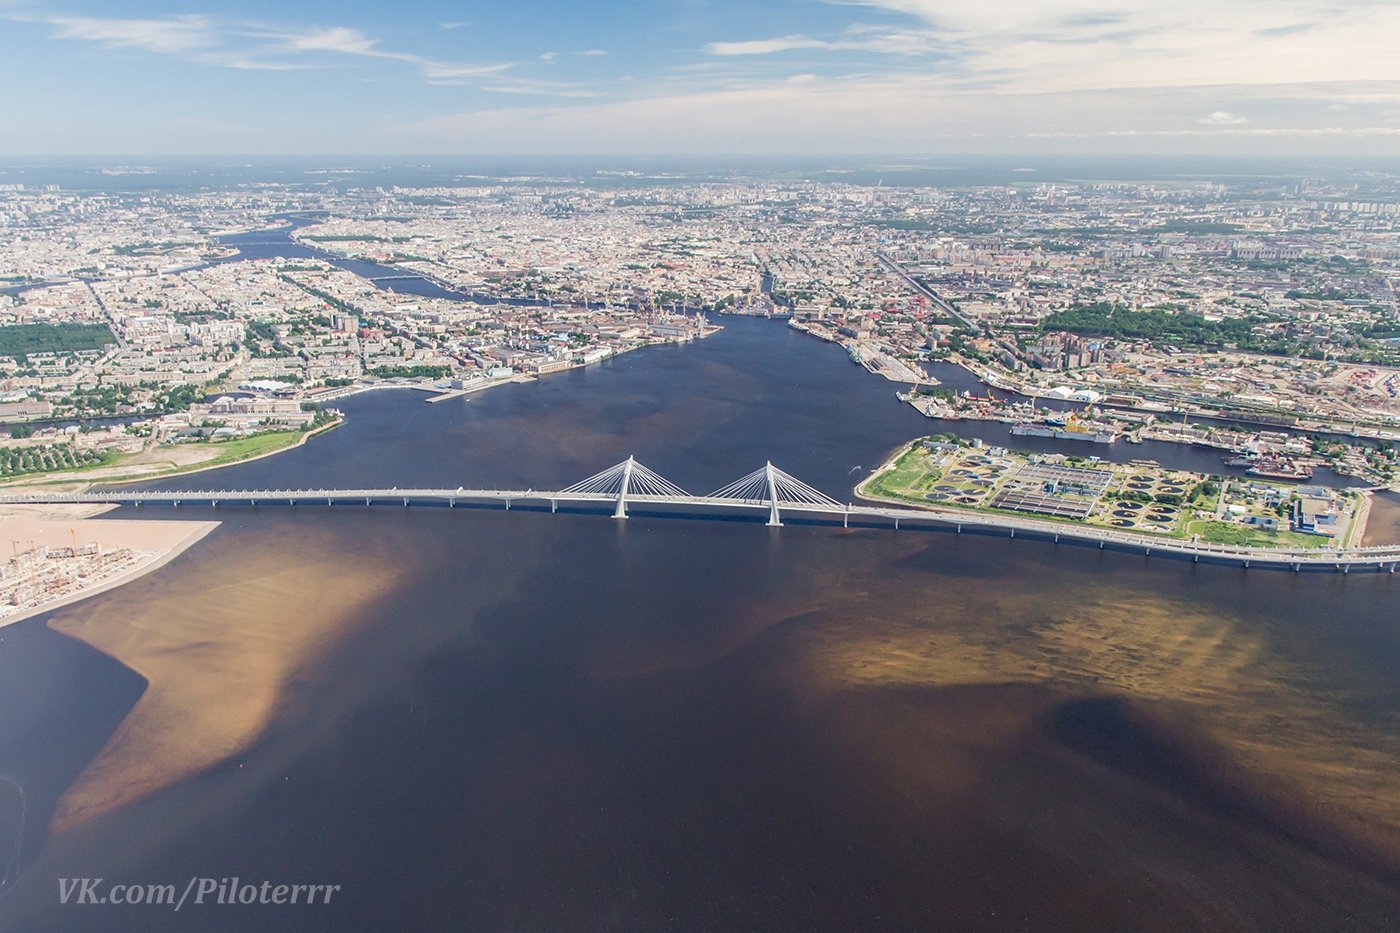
625,482
771,487
627,467
775,519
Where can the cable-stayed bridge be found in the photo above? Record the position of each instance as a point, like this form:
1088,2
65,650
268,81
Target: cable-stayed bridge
768,491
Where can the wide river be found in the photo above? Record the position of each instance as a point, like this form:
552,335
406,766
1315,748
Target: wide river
488,720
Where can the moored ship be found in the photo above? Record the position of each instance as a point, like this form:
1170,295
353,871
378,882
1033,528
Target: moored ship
1279,468
1098,434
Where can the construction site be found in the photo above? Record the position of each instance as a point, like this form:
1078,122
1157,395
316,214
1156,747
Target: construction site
40,574
62,554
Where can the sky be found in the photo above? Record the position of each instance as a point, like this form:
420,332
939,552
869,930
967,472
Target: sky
908,77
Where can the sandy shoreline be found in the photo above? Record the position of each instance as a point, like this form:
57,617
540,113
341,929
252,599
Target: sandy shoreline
57,526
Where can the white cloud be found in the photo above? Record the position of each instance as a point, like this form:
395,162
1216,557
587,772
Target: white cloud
1222,118
765,46
445,73
541,88
1040,45
247,45
170,35
904,112
904,75
882,40
335,39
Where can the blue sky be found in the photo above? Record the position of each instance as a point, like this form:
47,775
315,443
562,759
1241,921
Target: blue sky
695,76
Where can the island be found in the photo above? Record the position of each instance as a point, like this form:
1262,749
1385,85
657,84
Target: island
947,474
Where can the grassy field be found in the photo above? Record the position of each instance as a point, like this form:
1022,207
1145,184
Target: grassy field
907,473
244,447
228,452
218,454
1243,536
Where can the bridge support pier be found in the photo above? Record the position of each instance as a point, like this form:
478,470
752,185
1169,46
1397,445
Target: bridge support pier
553,506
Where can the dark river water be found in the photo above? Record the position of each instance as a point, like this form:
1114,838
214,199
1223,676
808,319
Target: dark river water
525,721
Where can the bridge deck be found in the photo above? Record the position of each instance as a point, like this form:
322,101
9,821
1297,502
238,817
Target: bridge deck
1373,558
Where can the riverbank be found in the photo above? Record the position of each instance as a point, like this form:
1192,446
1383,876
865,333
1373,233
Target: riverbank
174,460
1274,419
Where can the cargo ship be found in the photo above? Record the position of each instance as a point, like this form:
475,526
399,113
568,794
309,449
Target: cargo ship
1271,467
1279,468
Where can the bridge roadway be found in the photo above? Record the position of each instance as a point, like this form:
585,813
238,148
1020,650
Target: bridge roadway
1382,558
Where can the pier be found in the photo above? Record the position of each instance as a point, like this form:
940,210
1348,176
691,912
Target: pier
766,493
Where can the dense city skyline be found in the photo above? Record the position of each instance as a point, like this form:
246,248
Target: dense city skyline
797,76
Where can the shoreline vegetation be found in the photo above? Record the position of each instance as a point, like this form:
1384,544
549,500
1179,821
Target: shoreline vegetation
224,454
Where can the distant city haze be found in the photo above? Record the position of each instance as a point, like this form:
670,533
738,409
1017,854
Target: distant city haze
905,77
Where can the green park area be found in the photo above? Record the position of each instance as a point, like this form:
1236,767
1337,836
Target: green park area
24,339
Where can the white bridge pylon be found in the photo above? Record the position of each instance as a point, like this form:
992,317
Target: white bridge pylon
628,478
630,481
772,486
